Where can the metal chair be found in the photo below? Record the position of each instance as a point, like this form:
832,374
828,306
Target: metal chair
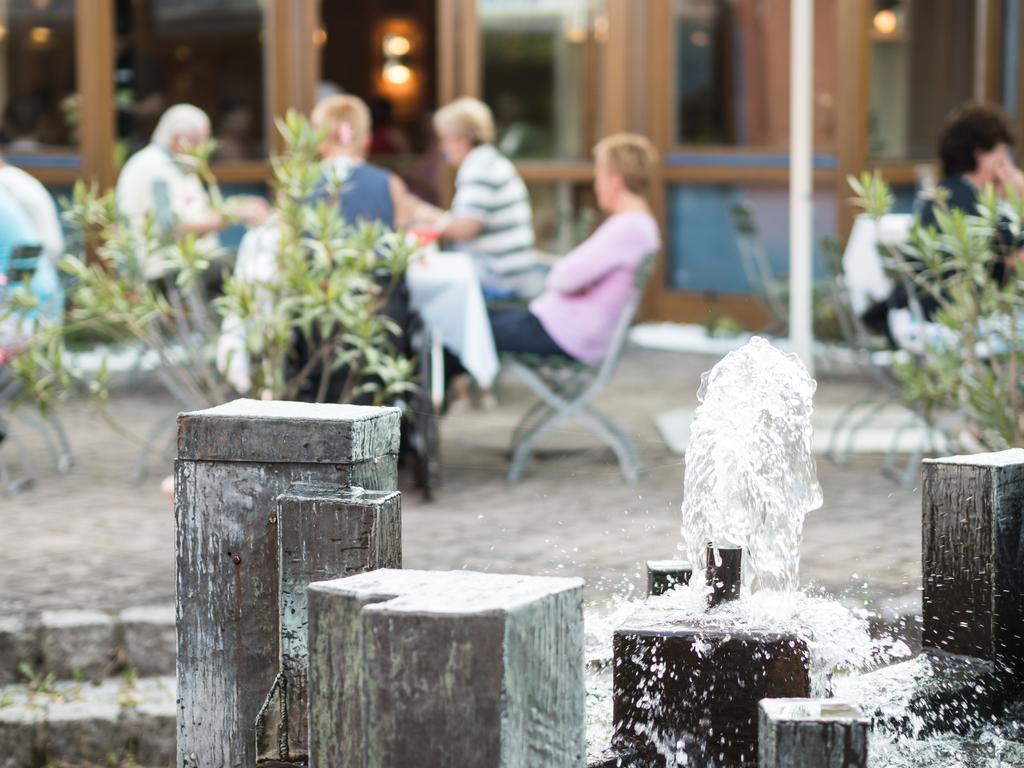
766,287
20,269
567,389
873,356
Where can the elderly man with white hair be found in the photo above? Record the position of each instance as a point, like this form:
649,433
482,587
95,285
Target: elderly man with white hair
159,180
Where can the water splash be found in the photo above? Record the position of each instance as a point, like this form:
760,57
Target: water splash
750,476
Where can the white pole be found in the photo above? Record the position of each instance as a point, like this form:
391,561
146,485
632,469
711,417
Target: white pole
801,79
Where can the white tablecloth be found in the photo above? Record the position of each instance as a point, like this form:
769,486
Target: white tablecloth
862,263
444,289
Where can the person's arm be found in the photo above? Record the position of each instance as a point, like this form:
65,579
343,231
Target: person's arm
590,261
402,201
462,228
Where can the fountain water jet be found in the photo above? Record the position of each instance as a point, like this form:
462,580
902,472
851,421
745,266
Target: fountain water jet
691,667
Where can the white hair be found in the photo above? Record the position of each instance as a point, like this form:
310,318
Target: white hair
180,120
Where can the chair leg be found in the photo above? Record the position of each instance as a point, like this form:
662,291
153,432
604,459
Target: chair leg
158,429
862,422
524,451
619,441
537,411
837,429
27,479
913,419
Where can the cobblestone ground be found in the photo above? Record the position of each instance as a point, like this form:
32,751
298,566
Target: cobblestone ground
96,538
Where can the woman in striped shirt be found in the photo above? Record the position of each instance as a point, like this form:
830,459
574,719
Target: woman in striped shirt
490,217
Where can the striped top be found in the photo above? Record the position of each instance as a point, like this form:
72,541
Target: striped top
488,189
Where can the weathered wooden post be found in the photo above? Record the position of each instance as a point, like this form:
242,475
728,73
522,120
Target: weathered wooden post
973,557
324,532
812,733
419,668
233,462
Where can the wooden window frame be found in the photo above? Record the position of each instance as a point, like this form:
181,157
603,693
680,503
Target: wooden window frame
289,81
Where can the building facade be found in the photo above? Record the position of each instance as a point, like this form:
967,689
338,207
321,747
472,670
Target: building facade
82,83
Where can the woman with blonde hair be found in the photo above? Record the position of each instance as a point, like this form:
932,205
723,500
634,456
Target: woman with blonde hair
368,192
490,216
587,289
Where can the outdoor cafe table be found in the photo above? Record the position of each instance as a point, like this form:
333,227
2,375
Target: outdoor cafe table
443,289
862,263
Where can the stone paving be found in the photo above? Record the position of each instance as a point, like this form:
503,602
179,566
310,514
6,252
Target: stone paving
96,539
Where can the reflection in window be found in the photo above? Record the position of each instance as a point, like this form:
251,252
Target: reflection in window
922,58
37,76
703,247
541,74
564,214
205,52
732,73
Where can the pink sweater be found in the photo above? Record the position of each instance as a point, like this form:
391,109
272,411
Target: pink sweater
587,290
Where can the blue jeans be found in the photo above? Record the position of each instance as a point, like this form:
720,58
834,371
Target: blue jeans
518,330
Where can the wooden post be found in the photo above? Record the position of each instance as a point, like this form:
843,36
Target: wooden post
663,575
973,557
233,462
446,669
723,574
323,532
699,688
810,733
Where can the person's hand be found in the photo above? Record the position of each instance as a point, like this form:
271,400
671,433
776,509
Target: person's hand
1009,176
251,209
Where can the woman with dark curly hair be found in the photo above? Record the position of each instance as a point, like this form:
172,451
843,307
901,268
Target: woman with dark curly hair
974,151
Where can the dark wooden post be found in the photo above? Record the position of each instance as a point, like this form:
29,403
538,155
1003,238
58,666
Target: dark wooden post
233,462
973,557
812,733
323,533
419,668
663,575
723,574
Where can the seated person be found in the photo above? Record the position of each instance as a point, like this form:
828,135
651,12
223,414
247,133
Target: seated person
586,290
490,218
16,230
368,192
158,180
973,152
38,203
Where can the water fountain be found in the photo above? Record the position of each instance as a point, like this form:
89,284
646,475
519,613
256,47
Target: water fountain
701,672
725,663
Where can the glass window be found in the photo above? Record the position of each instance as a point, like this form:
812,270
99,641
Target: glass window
37,80
564,214
732,73
204,52
704,255
922,65
541,74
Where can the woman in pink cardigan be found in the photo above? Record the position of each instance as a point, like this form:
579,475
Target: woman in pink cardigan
586,290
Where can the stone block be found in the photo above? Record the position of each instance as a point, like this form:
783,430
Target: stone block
697,689
973,557
86,724
77,643
444,669
812,733
148,637
663,575
19,642
233,462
